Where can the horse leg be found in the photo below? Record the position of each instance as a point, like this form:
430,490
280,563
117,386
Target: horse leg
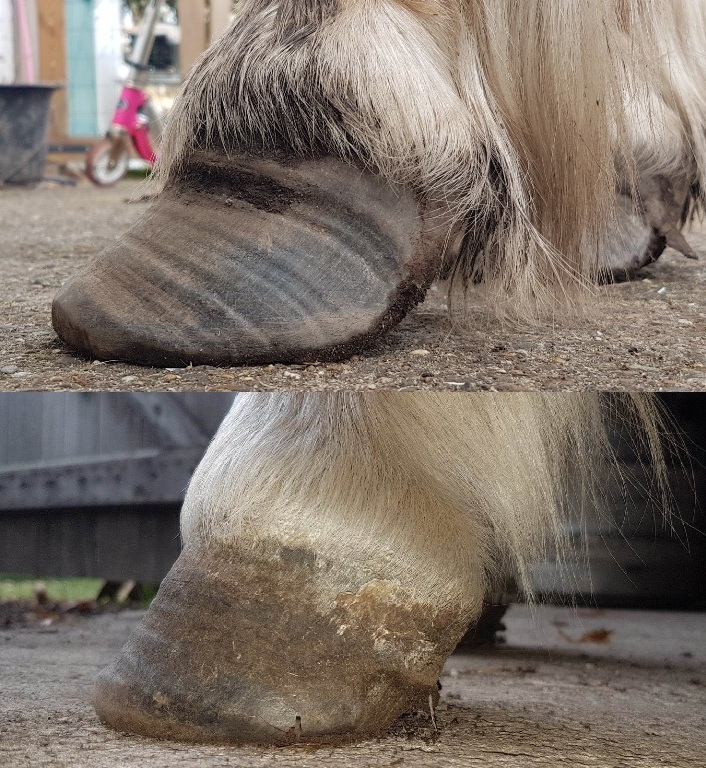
336,548
311,600
281,234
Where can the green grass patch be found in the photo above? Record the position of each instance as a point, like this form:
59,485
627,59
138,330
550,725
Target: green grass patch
22,588
138,173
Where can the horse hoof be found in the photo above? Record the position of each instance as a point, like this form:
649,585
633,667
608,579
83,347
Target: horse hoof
640,237
275,645
255,260
631,245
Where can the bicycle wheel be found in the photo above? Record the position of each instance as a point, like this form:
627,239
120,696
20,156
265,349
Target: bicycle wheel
106,164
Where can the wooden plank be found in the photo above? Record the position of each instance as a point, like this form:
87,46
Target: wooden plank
220,17
147,476
24,421
71,152
59,426
52,63
134,542
209,413
194,39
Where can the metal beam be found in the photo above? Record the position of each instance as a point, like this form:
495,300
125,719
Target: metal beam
148,476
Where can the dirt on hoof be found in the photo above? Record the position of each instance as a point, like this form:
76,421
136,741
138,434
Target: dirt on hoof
547,699
647,334
206,646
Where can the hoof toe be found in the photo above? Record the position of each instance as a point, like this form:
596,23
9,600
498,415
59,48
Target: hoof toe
255,261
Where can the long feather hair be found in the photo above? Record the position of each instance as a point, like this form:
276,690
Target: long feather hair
446,492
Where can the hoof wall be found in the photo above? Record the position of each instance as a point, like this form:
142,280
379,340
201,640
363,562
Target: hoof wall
252,261
251,648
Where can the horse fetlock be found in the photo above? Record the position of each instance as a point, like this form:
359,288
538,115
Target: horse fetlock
252,259
255,645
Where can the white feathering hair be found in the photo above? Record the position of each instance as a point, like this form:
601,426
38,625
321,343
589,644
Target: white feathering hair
447,492
523,115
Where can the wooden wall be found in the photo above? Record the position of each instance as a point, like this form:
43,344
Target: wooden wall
48,427
199,27
52,63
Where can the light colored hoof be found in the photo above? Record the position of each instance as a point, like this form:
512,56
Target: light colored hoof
256,260
275,645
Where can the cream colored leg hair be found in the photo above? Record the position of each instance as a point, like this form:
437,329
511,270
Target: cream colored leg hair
458,488
513,112
681,37
664,101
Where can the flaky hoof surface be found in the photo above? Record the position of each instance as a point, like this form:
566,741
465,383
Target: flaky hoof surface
274,646
255,260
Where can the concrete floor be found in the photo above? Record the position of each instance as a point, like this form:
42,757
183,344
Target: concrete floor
605,689
647,334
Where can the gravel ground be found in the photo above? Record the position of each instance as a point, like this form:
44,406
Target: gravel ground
550,697
648,334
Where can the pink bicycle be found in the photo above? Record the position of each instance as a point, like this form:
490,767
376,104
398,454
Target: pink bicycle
107,160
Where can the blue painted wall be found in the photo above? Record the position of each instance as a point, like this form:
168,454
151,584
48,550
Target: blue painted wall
81,69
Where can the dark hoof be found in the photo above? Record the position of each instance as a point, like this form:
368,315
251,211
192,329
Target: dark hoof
275,646
632,245
641,236
252,260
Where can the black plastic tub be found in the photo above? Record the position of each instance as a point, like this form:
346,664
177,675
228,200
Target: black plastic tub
24,114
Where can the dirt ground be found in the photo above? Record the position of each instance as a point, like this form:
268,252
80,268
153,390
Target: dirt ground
549,697
648,334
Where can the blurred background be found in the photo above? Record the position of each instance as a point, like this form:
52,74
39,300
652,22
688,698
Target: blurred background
91,485
82,46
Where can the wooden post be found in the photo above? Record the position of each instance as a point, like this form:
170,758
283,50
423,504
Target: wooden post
220,17
52,63
194,38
